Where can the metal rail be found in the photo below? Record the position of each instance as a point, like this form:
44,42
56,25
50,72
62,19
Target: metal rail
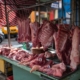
36,5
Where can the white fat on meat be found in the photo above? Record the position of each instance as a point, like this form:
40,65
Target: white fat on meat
75,54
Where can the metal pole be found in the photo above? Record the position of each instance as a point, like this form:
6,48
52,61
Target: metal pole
62,10
7,22
41,4
71,14
76,12
39,11
79,13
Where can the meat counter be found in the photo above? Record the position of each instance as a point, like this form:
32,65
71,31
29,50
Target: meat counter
21,72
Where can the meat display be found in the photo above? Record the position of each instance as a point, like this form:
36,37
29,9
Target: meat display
45,34
13,53
5,51
26,60
36,62
24,33
39,60
75,54
66,44
63,44
21,54
53,70
57,70
34,33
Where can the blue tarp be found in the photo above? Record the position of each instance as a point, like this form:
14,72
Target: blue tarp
66,8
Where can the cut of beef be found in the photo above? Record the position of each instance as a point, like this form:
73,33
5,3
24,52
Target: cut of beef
56,70
5,51
45,34
30,57
24,34
20,54
34,33
63,44
75,56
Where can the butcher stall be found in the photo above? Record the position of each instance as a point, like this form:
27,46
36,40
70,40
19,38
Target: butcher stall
21,72
50,50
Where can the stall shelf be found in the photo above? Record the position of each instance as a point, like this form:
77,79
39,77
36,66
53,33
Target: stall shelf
21,72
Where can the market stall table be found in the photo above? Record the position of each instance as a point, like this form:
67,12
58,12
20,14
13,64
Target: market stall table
21,72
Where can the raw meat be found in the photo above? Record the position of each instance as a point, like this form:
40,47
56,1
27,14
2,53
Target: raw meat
41,67
13,53
63,44
30,57
24,33
39,60
45,34
17,54
56,70
60,65
34,33
5,51
20,54
75,54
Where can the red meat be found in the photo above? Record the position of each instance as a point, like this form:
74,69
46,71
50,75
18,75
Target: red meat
45,34
75,56
34,33
63,44
24,33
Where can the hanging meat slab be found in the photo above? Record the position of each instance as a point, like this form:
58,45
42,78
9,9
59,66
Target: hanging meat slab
34,33
24,33
45,34
75,54
63,44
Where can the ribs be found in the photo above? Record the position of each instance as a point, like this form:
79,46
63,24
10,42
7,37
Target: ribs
24,33
63,44
34,33
45,34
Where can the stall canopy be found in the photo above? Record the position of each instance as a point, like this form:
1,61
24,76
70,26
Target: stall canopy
16,5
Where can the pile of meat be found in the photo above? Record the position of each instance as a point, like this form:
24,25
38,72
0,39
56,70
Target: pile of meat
39,35
66,42
34,61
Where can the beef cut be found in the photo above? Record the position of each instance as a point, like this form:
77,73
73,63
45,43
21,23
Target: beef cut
63,44
24,33
75,54
29,58
39,60
5,51
41,67
56,70
34,33
45,34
